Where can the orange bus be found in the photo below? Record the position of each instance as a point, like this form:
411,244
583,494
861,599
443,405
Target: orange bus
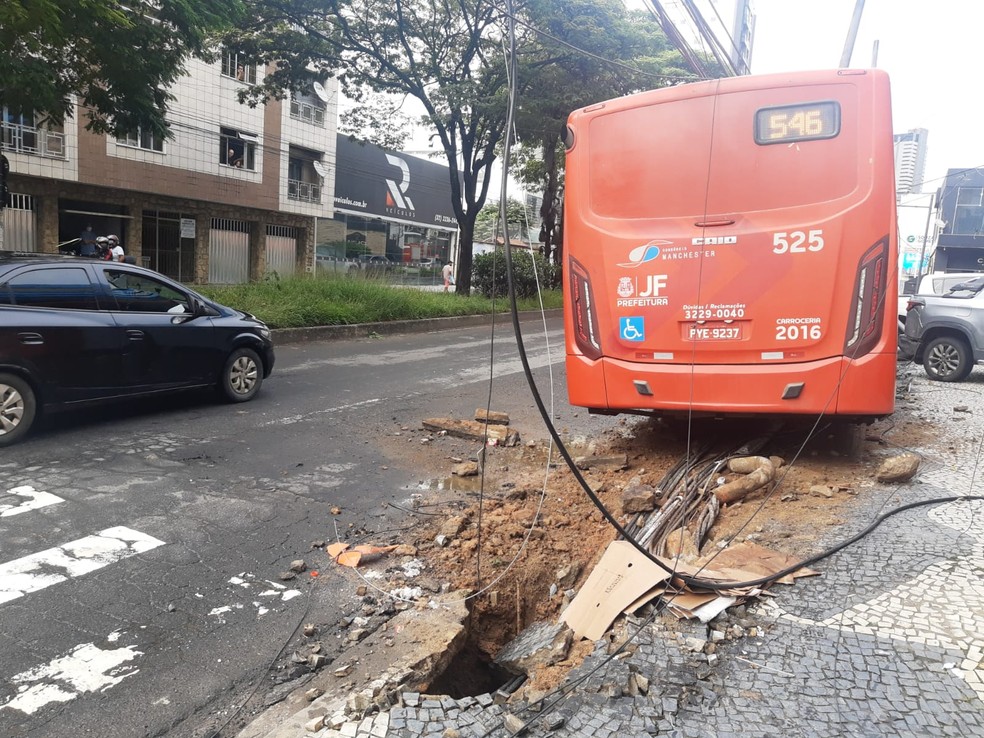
730,248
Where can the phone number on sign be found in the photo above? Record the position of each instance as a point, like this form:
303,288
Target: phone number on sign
713,311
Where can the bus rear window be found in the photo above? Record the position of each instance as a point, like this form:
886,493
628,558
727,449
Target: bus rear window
650,161
690,157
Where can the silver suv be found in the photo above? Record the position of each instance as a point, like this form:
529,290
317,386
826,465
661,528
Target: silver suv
946,332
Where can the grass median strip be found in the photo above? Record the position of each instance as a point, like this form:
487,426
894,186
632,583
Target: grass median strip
302,303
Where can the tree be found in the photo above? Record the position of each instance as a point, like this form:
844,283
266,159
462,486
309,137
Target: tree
488,227
445,55
117,59
628,53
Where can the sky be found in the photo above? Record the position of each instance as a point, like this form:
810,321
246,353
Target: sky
931,51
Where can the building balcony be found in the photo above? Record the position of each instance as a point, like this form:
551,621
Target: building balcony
307,112
21,139
303,191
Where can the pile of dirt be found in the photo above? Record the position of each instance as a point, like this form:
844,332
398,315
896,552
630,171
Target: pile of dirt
525,535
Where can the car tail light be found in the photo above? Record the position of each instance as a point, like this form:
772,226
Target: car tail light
864,328
583,312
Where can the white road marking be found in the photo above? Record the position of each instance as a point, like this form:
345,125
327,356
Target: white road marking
290,420
249,581
34,500
87,668
532,337
37,571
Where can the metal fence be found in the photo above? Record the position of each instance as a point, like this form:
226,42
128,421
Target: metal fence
20,224
281,250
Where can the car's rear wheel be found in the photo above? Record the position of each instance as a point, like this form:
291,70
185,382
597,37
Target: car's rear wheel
947,359
242,375
18,408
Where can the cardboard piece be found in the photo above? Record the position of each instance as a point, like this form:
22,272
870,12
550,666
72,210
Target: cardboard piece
757,561
619,579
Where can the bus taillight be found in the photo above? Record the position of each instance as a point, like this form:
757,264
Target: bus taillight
864,329
583,312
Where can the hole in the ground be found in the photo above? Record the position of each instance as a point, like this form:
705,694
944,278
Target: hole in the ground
470,673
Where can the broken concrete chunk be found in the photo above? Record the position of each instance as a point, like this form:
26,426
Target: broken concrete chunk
359,702
298,565
454,525
513,724
821,490
473,430
313,726
898,468
567,575
638,498
310,629
442,540
679,544
541,644
405,549
465,469
312,694
343,671
491,416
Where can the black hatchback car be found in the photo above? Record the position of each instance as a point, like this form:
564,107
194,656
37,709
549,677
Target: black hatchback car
75,331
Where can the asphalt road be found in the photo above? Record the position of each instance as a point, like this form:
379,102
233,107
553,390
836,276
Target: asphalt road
141,545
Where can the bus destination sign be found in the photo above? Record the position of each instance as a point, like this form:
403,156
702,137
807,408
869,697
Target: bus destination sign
804,122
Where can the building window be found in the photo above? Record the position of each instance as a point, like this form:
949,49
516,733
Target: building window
141,139
969,217
237,149
236,66
309,111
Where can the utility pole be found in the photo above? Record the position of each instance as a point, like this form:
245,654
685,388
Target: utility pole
922,253
852,34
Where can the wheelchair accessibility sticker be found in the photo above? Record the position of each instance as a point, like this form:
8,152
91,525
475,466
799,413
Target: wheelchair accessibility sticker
632,328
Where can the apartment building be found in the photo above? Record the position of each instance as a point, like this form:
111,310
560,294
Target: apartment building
231,197
910,160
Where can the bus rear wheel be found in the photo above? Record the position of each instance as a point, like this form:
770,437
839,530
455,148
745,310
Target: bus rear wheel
947,359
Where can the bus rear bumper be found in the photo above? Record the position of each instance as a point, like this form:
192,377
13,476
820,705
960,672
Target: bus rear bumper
836,386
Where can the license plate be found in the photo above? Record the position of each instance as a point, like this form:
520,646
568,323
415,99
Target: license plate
713,330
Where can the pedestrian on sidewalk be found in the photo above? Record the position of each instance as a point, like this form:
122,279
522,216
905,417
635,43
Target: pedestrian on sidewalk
448,273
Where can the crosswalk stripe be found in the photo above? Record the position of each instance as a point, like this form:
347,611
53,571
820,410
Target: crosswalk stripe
39,570
87,668
34,500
